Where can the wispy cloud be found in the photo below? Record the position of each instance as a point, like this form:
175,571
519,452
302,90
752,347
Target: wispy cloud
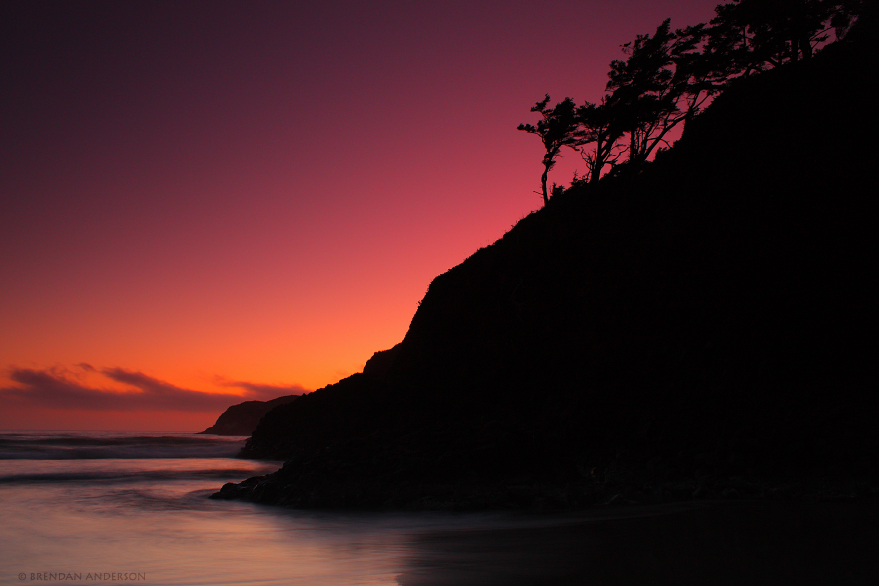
262,392
60,389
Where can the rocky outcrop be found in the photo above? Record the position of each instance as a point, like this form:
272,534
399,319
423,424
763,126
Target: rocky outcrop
381,362
242,419
697,329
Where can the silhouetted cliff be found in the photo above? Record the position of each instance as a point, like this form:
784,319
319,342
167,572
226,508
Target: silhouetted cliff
706,328
242,419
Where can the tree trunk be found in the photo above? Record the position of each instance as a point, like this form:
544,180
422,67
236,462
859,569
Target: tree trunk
543,183
596,170
603,148
806,47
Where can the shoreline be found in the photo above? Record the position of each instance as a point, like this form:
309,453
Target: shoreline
319,485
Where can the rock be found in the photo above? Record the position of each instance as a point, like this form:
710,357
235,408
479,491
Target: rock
242,419
700,319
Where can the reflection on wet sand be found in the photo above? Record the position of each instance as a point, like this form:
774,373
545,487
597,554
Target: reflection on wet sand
715,543
152,516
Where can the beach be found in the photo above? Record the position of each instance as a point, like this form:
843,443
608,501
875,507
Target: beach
90,508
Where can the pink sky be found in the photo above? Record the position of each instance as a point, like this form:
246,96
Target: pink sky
251,198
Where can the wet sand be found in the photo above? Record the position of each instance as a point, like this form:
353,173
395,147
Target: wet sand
735,543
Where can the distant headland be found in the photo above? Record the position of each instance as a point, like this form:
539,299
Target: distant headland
242,419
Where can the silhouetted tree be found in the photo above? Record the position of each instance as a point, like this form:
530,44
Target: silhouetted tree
668,77
729,46
645,90
602,127
558,127
757,34
666,80
698,73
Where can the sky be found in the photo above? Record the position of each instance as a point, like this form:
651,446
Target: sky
203,203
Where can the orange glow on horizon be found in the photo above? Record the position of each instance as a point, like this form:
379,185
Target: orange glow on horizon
261,200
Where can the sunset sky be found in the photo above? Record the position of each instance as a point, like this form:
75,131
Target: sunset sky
208,202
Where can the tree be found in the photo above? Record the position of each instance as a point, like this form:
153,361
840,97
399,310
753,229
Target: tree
761,34
645,91
666,80
557,128
602,126
698,73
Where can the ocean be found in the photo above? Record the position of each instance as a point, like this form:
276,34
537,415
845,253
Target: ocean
133,507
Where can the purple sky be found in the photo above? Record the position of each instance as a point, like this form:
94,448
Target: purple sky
216,191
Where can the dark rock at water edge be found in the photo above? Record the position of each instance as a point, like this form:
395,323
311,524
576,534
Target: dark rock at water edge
242,419
705,329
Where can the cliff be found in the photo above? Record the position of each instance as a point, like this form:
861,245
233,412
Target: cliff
704,328
242,419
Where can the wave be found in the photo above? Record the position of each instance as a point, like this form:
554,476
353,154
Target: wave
123,475
120,445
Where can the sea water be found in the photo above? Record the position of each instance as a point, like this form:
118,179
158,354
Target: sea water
110,507
133,508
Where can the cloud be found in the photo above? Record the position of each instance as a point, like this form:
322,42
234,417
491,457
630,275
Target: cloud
56,388
262,392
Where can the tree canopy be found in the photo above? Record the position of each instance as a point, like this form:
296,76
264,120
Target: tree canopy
558,127
668,77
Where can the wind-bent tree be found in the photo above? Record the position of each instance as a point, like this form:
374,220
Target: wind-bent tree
730,44
557,128
759,34
698,73
668,77
666,80
602,127
645,91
